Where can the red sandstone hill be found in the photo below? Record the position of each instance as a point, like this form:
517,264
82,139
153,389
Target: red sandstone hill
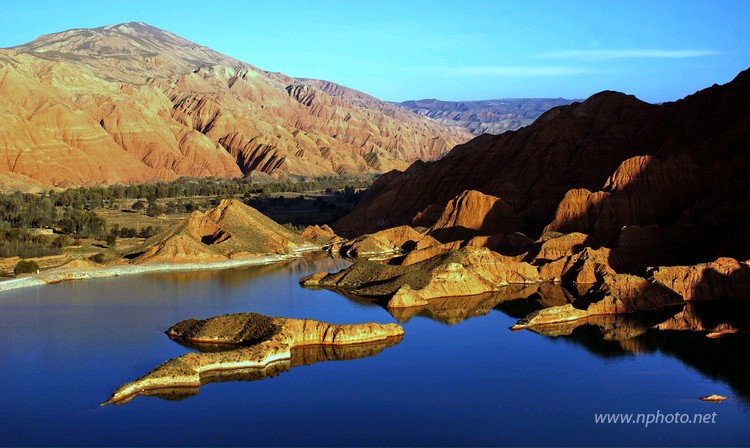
231,230
670,178
129,102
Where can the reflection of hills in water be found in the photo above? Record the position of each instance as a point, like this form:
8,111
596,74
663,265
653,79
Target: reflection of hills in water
516,300
235,278
230,278
678,332
681,333
317,261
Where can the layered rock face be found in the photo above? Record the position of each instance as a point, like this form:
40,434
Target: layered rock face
231,230
461,272
723,279
388,241
470,214
488,116
323,235
129,103
251,346
601,167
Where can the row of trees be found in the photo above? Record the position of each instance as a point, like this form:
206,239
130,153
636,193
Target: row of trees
97,197
71,212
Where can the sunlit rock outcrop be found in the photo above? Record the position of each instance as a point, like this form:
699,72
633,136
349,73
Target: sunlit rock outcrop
723,279
250,346
388,241
618,294
230,230
322,235
462,272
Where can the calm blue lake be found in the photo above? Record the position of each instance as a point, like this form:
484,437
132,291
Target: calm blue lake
65,348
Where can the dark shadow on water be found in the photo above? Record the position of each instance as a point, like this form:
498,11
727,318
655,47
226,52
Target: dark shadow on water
677,332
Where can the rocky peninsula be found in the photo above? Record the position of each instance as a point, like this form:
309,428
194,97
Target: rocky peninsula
229,235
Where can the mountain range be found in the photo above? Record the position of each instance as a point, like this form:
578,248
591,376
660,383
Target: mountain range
658,184
488,116
130,103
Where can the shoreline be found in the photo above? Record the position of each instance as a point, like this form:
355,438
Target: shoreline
58,275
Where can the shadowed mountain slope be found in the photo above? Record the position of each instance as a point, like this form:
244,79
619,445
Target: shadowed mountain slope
609,163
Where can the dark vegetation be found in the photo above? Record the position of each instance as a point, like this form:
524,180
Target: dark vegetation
37,225
26,267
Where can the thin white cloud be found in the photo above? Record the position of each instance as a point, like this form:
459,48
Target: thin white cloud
627,54
513,71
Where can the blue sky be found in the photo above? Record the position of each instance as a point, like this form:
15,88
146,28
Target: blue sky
399,50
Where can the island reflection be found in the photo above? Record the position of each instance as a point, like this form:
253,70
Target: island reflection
681,332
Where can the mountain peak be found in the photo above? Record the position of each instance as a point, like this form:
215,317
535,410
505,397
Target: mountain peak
128,51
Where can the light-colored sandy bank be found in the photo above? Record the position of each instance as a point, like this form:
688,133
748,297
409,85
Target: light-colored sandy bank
65,273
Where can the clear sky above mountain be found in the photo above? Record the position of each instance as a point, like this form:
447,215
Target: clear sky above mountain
399,50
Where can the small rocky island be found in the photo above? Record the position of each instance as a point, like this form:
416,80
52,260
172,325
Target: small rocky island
251,346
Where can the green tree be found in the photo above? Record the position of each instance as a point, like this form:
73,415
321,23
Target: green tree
26,267
111,240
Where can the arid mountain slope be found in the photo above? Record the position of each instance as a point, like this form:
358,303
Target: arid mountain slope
231,230
485,117
596,167
130,102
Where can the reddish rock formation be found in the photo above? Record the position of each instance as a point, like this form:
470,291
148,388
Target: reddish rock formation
618,294
723,279
595,167
473,213
230,230
388,241
512,244
566,257
421,254
641,191
319,234
462,272
250,341
129,103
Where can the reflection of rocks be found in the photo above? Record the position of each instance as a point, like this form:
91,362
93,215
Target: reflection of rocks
451,310
613,327
464,272
618,294
274,340
677,332
715,318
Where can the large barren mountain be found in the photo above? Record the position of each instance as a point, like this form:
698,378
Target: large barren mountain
672,178
488,116
130,102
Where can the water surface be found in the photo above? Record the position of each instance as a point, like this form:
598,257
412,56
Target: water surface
455,379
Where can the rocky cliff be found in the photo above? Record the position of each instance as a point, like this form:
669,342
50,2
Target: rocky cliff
129,103
613,167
